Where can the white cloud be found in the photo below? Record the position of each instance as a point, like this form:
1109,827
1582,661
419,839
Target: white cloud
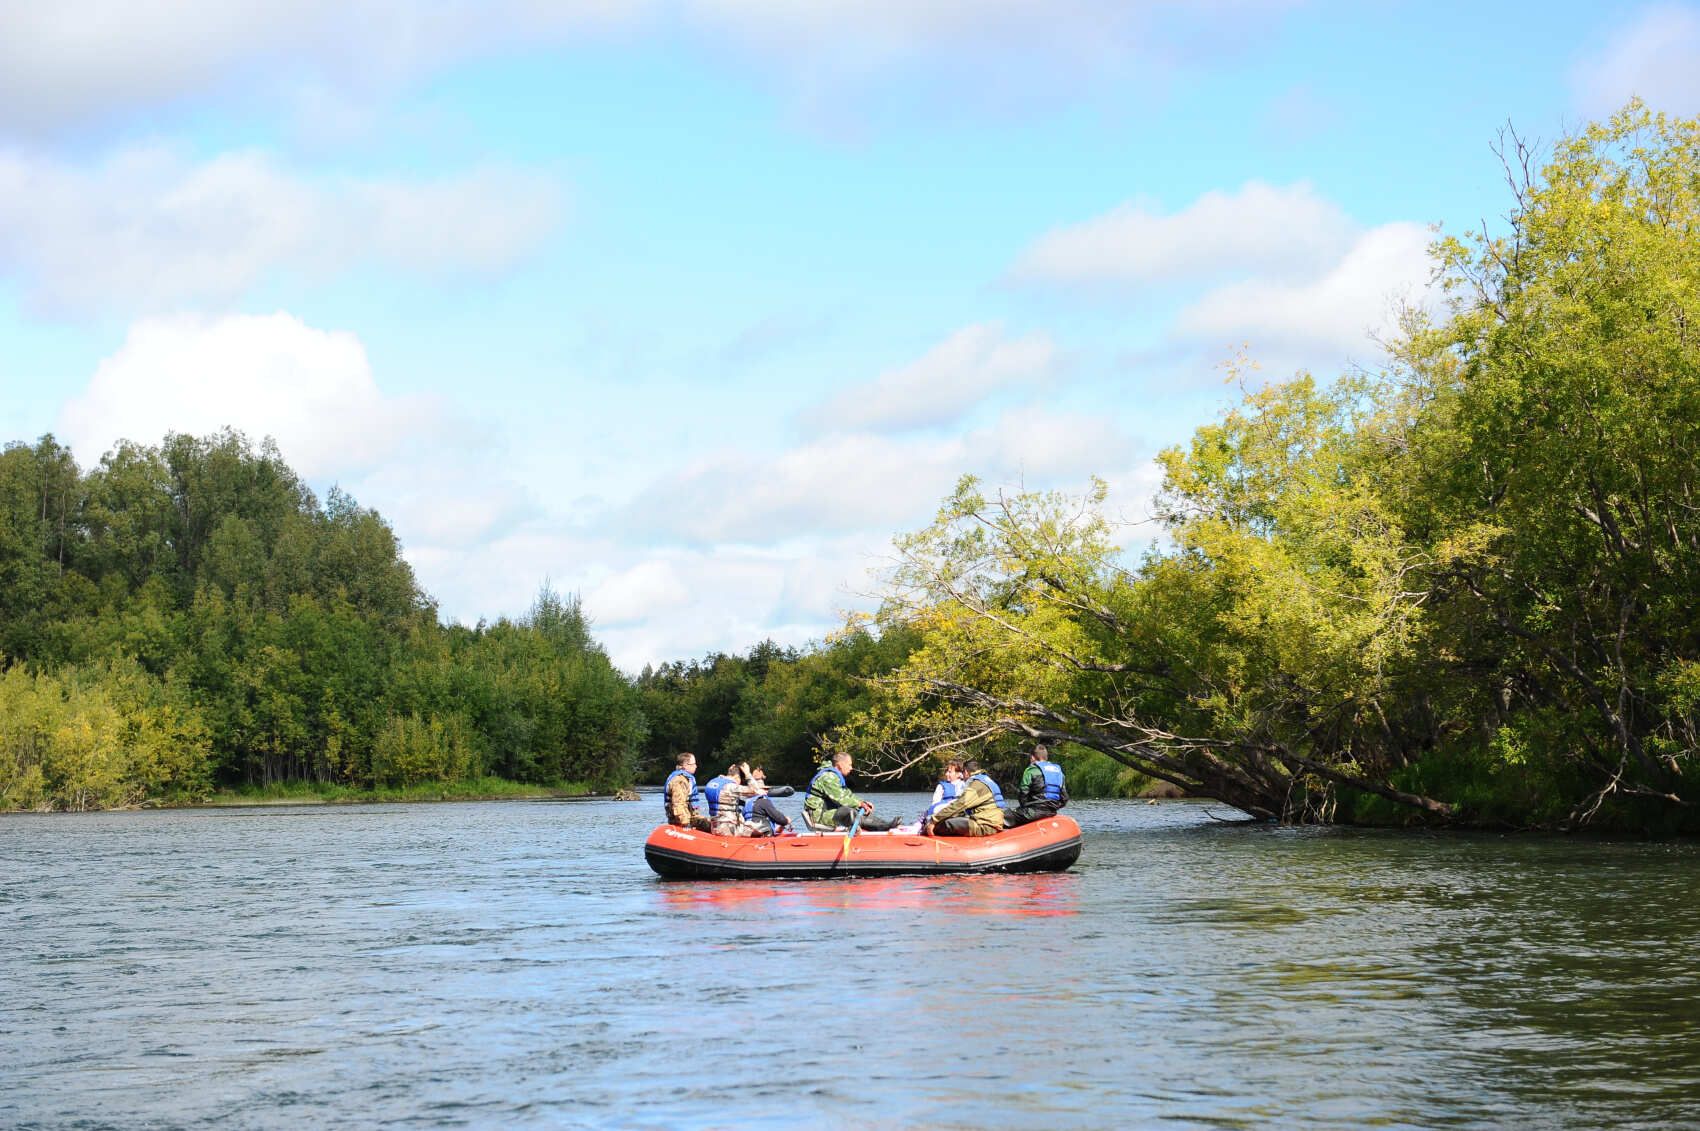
464,524
77,61
862,482
1279,268
633,596
995,48
93,62
444,495
940,386
792,580
1283,230
149,231
1656,56
842,482
649,604
1329,316
271,375
739,595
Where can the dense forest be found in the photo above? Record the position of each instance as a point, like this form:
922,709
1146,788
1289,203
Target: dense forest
1457,590
190,615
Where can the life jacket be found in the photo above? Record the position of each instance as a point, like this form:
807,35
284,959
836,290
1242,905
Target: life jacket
997,794
696,793
1053,780
952,790
712,792
829,768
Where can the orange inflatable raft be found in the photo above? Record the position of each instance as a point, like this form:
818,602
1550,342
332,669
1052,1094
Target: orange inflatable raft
1048,845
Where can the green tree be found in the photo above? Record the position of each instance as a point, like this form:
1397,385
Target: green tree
1460,590
1556,467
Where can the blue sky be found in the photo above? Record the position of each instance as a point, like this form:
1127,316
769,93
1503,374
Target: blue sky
689,306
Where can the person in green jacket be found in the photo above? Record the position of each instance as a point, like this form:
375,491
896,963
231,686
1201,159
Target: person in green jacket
1043,790
830,804
975,812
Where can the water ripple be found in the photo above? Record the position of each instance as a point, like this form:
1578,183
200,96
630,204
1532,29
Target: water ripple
514,964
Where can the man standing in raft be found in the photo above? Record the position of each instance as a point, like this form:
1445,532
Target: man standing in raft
830,803
1043,790
975,811
682,796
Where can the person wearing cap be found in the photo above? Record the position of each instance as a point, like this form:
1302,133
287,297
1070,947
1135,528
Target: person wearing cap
974,812
682,797
1043,790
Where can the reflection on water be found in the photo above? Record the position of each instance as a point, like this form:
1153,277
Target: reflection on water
1024,896
518,964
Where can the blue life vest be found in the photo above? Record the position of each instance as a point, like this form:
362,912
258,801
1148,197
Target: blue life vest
997,794
696,794
712,792
1053,780
829,768
952,790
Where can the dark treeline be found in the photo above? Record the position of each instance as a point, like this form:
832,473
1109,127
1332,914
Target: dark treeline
776,707
190,615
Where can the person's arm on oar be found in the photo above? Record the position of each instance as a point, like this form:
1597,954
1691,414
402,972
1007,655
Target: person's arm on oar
839,796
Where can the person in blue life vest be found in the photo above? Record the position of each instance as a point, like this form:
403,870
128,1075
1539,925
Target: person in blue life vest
683,800
727,795
974,812
948,789
1043,790
712,788
830,804
759,809
971,771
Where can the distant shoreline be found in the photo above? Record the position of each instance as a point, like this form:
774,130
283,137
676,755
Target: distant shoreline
335,795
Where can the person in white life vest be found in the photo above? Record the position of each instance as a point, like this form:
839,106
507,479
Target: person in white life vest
948,789
974,813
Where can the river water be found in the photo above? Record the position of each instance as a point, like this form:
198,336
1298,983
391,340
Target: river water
517,964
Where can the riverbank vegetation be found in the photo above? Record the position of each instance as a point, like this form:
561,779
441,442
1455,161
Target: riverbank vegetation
1459,590
190,616
330,793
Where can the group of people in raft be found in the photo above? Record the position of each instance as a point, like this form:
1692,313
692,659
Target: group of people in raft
967,802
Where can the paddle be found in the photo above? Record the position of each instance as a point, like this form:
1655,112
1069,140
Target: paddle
855,821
